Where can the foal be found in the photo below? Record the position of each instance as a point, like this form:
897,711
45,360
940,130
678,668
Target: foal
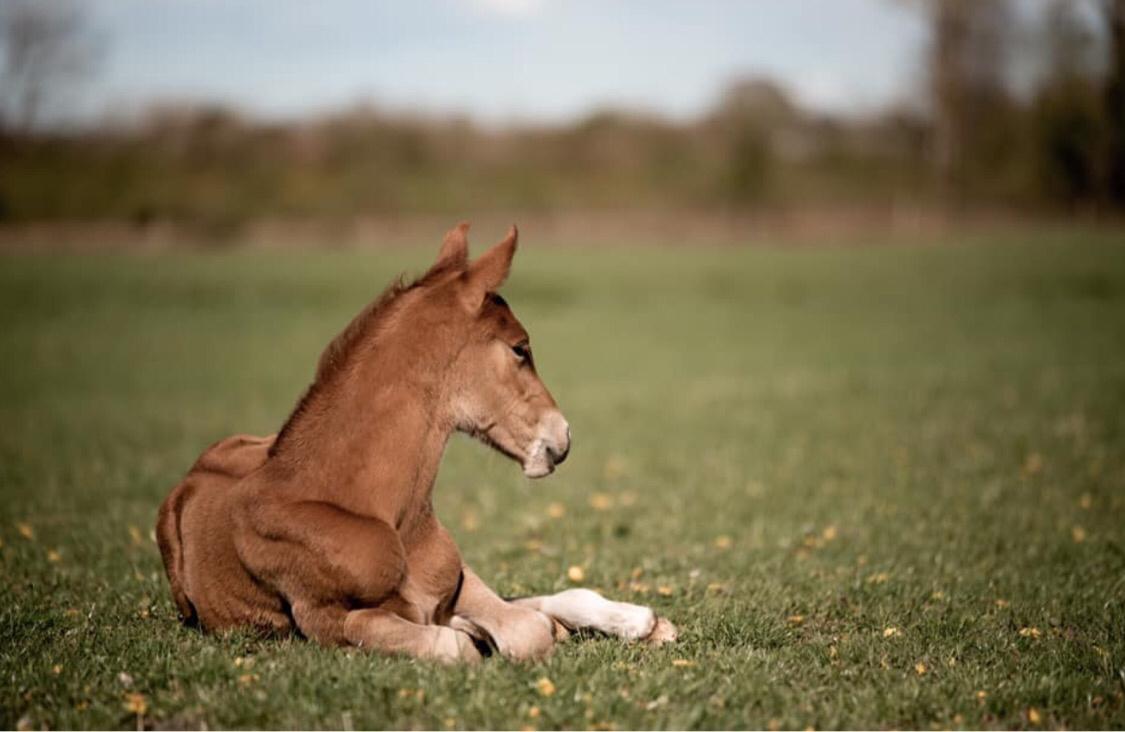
328,526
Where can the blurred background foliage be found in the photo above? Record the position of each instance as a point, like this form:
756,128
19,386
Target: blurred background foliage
979,139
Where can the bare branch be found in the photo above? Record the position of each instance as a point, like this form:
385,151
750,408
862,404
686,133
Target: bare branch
47,50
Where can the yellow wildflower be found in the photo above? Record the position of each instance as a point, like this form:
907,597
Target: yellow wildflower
136,703
615,467
601,501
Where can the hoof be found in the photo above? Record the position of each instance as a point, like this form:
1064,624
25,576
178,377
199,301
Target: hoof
467,650
663,632
453,647
561,631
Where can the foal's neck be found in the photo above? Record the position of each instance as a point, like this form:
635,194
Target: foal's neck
371,442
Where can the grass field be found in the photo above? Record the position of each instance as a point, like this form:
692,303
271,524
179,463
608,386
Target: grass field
877,487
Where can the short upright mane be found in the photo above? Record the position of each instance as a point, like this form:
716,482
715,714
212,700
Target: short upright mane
336,354
340,350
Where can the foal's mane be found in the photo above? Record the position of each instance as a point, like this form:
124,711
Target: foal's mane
340,350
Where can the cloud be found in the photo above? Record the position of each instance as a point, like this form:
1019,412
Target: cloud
509,7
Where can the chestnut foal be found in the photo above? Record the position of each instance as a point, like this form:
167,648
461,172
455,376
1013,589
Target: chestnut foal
328,527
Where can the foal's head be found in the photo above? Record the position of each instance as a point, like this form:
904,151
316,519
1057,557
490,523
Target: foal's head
493,390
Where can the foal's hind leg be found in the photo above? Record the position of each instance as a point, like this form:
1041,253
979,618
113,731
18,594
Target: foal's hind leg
341,574
581,609
380,629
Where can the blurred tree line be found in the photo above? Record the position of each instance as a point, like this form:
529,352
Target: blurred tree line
976,139
1060,143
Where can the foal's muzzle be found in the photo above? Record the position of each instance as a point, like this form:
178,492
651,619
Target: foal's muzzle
550,446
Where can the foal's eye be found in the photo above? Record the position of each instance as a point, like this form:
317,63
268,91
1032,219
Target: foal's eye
521,351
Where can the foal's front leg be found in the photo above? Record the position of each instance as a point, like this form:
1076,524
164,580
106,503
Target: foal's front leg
518,632
582,609
525,628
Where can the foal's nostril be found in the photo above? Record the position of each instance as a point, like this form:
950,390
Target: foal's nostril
559,458
557,437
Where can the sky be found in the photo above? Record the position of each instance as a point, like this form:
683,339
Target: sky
499,61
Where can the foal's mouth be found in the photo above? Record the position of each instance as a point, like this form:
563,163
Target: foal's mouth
540,469
538,460
541,459
524,460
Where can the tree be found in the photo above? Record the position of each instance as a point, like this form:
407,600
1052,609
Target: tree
1114,100
1066,114
971,106
47,48
748,120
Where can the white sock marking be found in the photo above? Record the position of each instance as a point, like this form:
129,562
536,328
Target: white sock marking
580,608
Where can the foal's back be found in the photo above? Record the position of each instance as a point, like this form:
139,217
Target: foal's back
235,457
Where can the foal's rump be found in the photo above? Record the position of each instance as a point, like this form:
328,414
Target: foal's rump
217,469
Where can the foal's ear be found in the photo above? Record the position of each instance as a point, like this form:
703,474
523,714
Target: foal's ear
491,268
454,248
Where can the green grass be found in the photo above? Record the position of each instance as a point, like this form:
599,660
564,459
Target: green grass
913,438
